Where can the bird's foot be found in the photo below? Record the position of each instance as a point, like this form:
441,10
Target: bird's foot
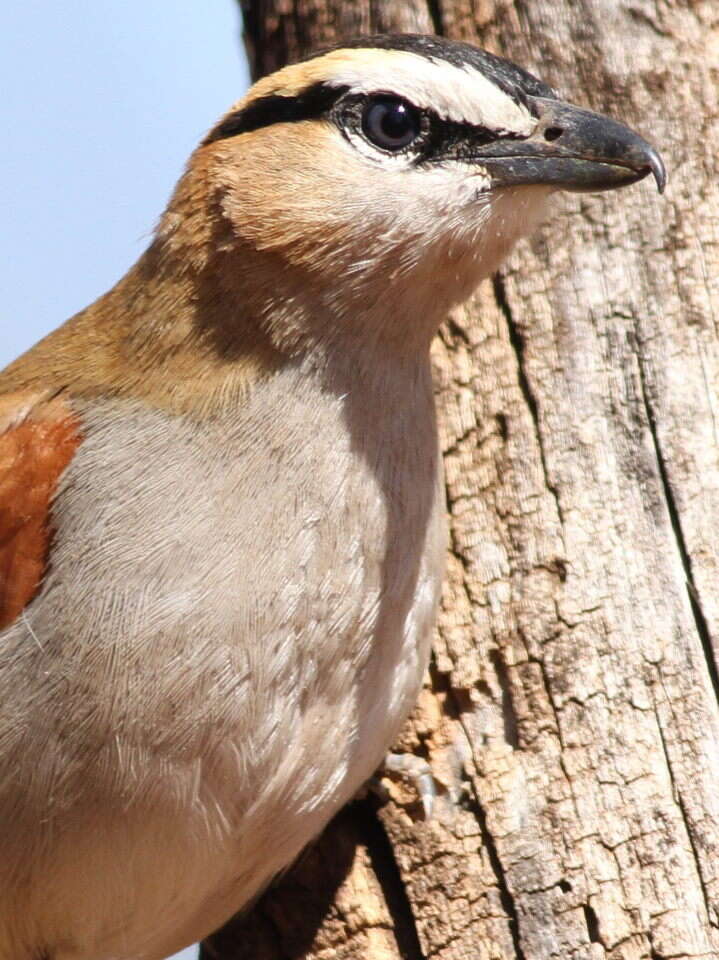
414,771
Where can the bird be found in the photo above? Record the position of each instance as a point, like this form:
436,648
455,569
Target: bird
222,523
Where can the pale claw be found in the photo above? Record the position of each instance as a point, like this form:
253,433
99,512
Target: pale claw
417,771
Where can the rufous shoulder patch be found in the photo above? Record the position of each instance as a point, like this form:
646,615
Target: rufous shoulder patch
38,438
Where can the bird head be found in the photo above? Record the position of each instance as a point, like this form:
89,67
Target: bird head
335,214
377,182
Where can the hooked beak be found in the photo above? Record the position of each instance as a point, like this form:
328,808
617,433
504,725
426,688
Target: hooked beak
572,149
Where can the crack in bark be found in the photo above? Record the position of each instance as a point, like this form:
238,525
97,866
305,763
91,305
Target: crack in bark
592,922
509,714
550,699
517,342
456,330
389,875
474,805
434,9
687,825
506,896
700,621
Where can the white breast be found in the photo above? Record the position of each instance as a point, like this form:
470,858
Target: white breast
189,722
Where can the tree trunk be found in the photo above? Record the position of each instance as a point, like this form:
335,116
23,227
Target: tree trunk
571,713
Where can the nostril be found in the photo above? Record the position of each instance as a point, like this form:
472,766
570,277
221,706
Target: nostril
553,133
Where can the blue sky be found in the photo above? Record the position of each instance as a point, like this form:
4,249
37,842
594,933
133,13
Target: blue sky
102,103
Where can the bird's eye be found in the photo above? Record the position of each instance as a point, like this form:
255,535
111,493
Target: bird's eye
390,123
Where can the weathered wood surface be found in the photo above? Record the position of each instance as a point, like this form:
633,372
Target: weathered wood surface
571,715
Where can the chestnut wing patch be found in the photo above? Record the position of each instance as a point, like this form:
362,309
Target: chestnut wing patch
38,439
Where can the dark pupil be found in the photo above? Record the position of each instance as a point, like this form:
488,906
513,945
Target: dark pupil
390,124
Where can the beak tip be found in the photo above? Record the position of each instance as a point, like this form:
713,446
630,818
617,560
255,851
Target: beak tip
659,171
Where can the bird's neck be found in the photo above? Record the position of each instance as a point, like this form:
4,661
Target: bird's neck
155,337
196,322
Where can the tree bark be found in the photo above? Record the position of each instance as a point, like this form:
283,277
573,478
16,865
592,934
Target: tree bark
570,717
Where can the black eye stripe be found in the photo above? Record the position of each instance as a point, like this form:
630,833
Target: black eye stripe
316,101
443,139
448,139
440,138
